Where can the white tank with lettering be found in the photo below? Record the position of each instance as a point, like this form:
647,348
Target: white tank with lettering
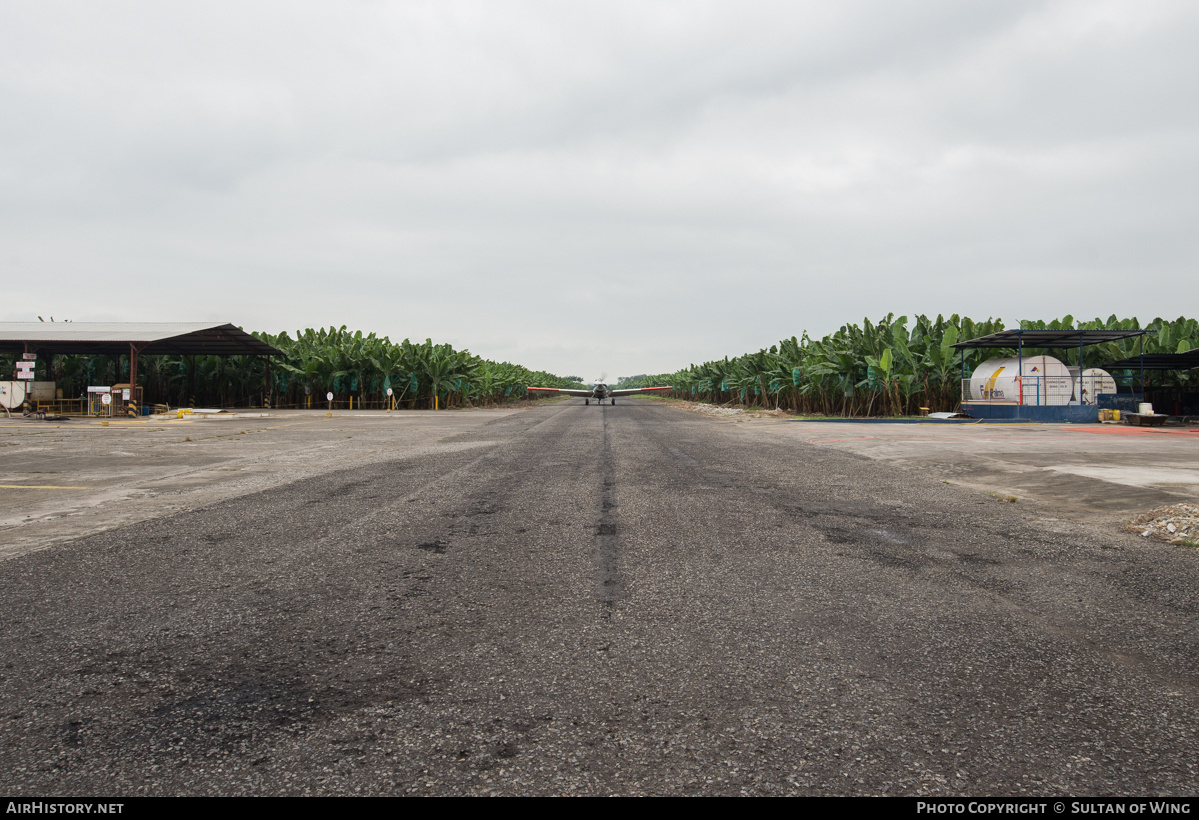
1036,380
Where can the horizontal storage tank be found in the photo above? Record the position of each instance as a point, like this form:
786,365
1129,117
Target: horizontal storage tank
12,394
1094,382
1043,381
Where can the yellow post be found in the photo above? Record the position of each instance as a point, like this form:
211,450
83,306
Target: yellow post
436,398
351,401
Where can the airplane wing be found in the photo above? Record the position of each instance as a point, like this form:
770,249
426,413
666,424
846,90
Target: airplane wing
568,391
633,390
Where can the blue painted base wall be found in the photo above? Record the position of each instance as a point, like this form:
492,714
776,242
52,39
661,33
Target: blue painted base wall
1083,414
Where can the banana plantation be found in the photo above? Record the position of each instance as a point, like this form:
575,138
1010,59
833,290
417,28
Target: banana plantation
896,366
358,369
418,374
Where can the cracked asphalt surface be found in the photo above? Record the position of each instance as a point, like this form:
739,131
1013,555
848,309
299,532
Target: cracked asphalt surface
618,599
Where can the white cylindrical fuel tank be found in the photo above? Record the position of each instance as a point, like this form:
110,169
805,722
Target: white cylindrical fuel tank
12,394
1044,380
1094,381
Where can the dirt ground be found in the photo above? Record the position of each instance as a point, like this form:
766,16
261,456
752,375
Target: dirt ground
64,480
1092,474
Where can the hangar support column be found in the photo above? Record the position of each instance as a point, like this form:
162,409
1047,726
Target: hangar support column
133,408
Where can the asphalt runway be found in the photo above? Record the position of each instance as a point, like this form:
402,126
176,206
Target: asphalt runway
618,599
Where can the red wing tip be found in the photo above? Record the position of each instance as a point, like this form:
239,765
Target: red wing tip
546,389
668,387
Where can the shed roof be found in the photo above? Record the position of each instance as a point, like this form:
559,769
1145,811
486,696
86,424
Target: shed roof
1158,361
1066,337
114,338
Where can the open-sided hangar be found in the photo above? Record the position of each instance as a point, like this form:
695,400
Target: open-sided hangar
28,340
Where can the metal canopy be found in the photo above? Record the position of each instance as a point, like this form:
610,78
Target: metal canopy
116,338
1158,361
1066,337
1023,340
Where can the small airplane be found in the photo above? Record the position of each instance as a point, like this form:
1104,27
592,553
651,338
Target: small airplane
600,392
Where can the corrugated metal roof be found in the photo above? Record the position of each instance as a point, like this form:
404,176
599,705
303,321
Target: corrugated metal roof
1157,361
99,331
187,338
1066,337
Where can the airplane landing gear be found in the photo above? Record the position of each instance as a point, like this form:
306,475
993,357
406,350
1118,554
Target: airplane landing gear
614,401
586,401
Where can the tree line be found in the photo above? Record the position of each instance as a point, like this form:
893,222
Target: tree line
895,366
892,366
348,364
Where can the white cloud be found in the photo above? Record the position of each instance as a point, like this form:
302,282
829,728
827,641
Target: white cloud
585,187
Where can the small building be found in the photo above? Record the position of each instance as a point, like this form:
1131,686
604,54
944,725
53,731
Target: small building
1179,398
133,339
1035,386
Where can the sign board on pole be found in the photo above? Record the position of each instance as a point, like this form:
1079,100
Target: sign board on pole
389,391
329,396
106,399
29,356
25,374
26,365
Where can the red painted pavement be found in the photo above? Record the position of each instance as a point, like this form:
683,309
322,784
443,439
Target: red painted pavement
1131,431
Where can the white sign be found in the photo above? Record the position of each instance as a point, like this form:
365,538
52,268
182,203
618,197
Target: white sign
29,356
106,399
389,391
329,396
99,389
26,365
125,395
25,374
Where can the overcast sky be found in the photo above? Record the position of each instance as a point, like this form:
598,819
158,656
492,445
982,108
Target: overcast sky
597,188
